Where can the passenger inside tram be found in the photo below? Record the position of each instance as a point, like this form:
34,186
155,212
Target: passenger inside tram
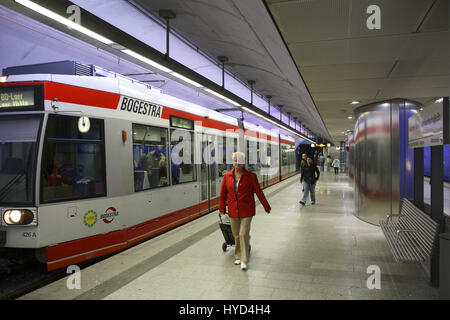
162,165
175,173
57,177
60,177
71,174
143,172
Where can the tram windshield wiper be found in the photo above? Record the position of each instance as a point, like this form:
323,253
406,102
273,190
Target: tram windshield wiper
11,185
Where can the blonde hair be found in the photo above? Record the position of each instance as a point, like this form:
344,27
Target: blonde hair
240,157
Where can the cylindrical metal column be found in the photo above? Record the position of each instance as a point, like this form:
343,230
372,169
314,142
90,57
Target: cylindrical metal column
380,158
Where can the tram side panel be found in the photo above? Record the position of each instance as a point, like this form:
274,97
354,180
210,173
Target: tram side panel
275,174
136,208
262,152
114,198
287,151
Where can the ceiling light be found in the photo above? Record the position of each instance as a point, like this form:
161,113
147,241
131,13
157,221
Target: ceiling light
273,122
223,97
354,102
252,112
146,60
349,117
179,76
50,14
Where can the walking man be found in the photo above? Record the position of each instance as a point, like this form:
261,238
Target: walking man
310,175
303,162
336,164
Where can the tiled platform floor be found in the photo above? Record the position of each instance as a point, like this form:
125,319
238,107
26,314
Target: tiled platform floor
314,252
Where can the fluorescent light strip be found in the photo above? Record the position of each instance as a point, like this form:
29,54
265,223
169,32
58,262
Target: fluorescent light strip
273,122
146,60
223,97
179,76
50,14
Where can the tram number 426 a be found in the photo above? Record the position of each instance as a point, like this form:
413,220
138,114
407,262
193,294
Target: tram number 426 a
29,235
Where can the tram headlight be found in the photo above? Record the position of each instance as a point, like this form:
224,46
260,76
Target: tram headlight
18,217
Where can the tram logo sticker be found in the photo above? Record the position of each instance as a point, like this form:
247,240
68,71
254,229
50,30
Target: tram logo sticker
109,215
140,107
90,218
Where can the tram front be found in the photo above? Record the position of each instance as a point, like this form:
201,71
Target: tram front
21,115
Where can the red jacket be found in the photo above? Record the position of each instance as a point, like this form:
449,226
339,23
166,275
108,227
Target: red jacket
244,204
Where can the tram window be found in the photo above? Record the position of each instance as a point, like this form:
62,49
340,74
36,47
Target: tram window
73,164
264,154
66,127
252,155
182,156
284,156
229,146
222,165
18,137
150,157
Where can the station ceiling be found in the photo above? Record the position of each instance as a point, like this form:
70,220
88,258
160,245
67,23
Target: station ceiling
313,56
342,60
246,34
338,57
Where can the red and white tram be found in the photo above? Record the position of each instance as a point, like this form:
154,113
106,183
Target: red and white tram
75,195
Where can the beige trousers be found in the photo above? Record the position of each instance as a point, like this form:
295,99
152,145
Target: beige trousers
240,227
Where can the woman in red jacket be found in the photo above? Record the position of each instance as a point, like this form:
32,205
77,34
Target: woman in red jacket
238,187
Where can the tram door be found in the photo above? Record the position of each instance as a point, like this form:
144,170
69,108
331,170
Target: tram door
265,156
265,180
208,172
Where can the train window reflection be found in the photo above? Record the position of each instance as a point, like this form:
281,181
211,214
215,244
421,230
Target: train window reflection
227,147
72,167
64,128
252,156
182,156
17,158
150,157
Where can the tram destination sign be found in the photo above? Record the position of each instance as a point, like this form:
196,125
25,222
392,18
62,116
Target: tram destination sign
16,97
430,127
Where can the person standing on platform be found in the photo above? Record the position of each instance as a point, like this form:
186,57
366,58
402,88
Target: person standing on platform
310,175
328,163
237,192
322,162
302,165
303,162
336,164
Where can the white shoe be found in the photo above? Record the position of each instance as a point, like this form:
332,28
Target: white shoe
243,266
237,262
